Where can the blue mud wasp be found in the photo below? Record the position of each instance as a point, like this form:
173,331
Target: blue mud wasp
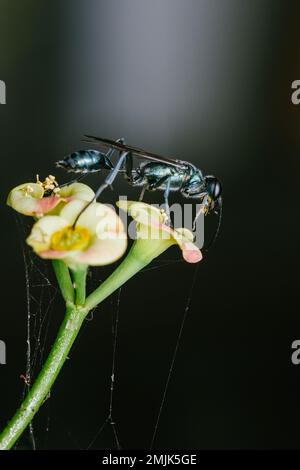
157,173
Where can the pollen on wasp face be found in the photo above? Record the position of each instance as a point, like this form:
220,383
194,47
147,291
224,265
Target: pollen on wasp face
69,239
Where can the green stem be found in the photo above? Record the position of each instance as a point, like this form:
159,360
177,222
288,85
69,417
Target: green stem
39,391
79,278
128,268
138,257
64,280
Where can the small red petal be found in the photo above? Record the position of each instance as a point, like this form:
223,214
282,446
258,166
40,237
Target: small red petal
46,204
53,254
191,254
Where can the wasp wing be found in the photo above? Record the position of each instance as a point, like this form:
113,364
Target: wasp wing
139,153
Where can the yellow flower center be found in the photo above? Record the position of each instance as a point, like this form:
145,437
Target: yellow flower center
69,239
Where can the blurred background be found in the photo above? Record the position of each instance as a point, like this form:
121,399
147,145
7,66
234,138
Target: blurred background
207,81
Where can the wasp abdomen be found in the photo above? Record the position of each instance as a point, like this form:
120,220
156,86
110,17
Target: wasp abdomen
85,161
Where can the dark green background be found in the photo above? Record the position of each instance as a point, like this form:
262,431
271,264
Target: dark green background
209,82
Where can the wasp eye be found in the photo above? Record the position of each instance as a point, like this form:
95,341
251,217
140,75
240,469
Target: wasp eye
217,190
214,188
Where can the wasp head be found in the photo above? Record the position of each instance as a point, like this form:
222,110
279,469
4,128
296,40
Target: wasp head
211,199
213,187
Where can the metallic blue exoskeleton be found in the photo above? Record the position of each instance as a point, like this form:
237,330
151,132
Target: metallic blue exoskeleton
86,161
186,178
159,173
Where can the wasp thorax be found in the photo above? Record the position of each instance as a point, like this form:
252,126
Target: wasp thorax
70,239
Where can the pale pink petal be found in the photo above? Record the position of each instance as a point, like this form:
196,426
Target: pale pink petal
28,200
54,254
191,253
46,204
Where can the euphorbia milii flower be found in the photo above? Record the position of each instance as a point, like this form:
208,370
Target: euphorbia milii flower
75,235
32,199
154,236
98,237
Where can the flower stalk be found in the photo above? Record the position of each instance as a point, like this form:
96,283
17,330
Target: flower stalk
98,240
136,260
64,280
79,284
41,388
127,269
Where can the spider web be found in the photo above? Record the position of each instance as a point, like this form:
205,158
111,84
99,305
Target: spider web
40,297
115,322
41,293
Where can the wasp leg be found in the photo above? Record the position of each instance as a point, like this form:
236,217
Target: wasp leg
167,180
112,175
76,180
129,168
157,184
200,211
110,152
166,198
145,187
107,182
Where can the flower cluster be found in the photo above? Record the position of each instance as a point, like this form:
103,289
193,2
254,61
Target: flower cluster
96,235
76,232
